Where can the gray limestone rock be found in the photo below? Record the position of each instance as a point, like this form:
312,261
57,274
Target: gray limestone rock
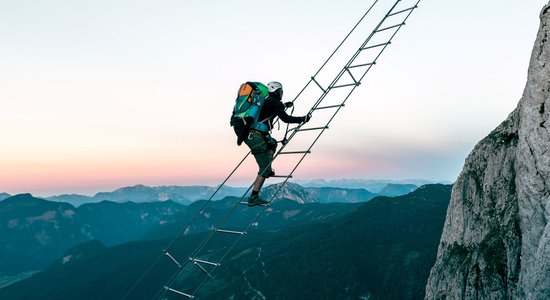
496,239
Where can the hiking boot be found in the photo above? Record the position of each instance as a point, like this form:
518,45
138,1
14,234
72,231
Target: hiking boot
255,200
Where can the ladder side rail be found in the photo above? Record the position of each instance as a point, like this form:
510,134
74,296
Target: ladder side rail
334,52
226,217
318,136
388,15
205,241
325,93
327,90
213,231
393,35
180,234
350,92
359,81
351,60
228,214
315,106
226,253
312,78
366,71
220,223
347,36
359,50
320,133
276,192
200,285
185,266
337,48
356,54
170,281
254,220
335,80
203,207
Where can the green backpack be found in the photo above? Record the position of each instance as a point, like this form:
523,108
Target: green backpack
249,103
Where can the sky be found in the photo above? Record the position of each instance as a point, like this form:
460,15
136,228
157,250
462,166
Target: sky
96,95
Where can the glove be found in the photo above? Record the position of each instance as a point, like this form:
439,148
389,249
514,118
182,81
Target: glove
289,104
307,118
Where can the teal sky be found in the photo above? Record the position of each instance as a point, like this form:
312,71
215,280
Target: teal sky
95,95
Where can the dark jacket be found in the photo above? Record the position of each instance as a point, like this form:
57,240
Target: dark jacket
273,107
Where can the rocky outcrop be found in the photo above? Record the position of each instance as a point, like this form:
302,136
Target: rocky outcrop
496,239
290,191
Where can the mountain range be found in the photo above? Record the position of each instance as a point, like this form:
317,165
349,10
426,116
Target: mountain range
296,251
373,185
34,232
382,250
141,193
356,190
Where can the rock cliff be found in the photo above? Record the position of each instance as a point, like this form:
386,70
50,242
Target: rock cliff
496,239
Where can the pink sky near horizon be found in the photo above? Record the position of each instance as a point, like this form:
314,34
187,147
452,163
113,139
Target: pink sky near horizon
89,175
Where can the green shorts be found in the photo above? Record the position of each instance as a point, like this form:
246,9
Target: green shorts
263,148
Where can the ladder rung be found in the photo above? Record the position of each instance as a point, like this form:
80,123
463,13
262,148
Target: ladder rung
172,258
231,231
198,262
179,293
351,75
246,202
195,261
330,106
362,65
346,85
295,152
281,176
402,11
203,269
317,83
312,128
398,25
374,46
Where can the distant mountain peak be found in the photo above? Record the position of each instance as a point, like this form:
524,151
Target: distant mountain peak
290,191
138,186
22,199
135,188
22,196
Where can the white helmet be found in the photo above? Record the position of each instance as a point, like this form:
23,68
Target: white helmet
273,86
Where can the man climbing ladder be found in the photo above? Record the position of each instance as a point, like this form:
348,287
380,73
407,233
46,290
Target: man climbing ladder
260,142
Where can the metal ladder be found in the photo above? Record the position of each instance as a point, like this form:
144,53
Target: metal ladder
192,272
